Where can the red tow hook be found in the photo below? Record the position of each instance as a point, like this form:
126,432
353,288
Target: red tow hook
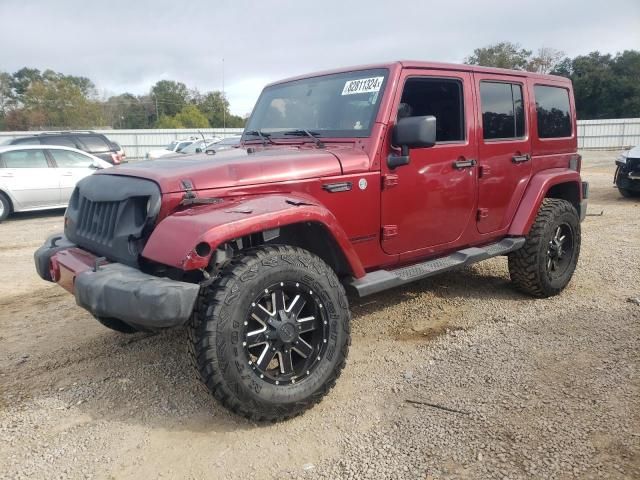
54,270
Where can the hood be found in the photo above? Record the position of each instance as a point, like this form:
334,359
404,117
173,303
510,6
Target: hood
235,167
634,152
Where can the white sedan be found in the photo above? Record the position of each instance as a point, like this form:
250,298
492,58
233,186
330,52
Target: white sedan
40,177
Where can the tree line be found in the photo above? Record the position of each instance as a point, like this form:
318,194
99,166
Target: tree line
35,100
605,85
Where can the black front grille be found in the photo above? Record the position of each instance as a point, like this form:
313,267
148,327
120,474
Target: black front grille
112,215
97,221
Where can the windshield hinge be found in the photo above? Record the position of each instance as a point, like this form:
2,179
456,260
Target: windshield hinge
389,232
389,180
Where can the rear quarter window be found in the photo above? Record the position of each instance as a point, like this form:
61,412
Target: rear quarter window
95,143
553,111
26,141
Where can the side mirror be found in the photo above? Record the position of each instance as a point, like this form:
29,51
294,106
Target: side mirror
198,150
412,132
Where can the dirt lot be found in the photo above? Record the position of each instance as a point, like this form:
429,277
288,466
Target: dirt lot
530,388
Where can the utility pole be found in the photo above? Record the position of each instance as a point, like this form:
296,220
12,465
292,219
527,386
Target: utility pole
224,106
157,115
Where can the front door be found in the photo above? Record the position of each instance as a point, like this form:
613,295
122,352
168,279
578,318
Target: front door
429,202
72,167
504,149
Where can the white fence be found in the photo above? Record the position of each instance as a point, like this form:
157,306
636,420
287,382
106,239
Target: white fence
138,142
592,134
608,134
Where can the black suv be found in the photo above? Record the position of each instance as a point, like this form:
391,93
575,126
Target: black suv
94,143
627,177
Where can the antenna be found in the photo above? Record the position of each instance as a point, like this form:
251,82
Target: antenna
224,107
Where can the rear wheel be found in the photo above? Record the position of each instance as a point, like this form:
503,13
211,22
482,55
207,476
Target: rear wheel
5,207
270,338
546,262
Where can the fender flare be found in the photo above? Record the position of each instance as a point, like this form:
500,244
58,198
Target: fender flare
536,192
173,241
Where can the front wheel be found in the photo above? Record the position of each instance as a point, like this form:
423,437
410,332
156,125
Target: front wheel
270,337
546,262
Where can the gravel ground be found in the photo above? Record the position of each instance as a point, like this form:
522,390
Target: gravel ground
457,376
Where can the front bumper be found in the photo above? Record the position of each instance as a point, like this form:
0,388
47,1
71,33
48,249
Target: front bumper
113,289
627,178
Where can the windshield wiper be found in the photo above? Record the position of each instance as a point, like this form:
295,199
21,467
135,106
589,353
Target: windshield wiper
265,137
303,132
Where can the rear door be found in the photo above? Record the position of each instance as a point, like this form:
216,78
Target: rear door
30,179
71,168
504,152
428,203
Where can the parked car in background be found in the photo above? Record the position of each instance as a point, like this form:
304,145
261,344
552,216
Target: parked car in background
627,176
174,147
88,141
224,144
40,177
199,146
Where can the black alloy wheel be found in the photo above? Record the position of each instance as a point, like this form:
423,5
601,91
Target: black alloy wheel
560,251
286,333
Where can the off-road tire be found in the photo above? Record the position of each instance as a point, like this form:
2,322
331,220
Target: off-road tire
528,265
626,193
5,207
117,325
216,331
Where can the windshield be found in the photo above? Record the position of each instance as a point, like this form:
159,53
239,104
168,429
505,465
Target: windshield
192,148
338,105
229,141
171,146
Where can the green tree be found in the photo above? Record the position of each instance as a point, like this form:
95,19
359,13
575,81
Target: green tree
171,97
188,117
6,97
129,111
216,107
57,101
167,122
546,60
191,117
501,55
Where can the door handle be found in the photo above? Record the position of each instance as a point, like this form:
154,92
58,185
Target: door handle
460,164
67,174
521,158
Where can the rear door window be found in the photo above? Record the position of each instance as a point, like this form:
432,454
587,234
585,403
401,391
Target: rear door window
95,143
62,141
502,110
24,159
553,111
68,159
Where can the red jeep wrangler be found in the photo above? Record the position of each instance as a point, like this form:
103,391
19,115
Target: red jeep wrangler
365,178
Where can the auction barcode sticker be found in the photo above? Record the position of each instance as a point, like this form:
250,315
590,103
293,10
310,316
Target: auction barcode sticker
363,85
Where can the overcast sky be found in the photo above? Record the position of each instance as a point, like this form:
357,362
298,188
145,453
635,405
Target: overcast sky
129,45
